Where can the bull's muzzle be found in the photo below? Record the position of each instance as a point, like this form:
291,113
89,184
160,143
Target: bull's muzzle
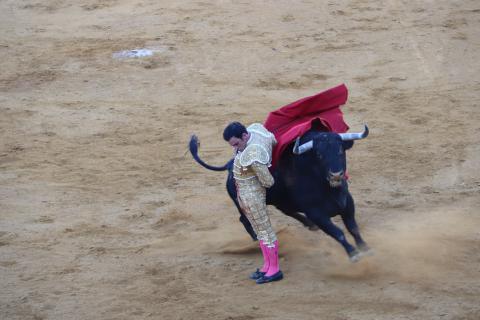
336,178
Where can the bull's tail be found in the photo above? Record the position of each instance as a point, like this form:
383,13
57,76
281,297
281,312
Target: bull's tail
193,146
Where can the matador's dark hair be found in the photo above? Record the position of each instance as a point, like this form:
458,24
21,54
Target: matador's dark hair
234,129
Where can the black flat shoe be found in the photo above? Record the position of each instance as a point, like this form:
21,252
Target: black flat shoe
257,274
266,279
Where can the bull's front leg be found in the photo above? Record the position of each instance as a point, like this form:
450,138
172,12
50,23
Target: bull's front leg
301,218
348,217
283,203
325,223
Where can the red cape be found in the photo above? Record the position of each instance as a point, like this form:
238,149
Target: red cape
294,119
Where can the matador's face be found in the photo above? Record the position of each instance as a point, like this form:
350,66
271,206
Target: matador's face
239,144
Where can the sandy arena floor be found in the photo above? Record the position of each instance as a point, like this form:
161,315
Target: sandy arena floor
104,214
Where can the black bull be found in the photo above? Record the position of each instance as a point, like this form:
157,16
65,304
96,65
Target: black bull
311,180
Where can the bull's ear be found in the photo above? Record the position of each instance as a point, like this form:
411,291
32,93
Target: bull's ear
347,144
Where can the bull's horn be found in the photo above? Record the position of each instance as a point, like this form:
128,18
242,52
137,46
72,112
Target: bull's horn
299,149
354,136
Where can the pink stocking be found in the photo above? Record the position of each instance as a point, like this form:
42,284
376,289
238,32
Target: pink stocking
266,263
272,253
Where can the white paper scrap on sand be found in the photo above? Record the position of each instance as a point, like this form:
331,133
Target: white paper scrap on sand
135,53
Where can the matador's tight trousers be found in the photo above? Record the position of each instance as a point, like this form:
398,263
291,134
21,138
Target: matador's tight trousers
252,196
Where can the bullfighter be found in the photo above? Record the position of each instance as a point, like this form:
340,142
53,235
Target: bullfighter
253,155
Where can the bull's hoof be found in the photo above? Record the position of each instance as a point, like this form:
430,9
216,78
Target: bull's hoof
266,279
313,227
355,256
363,247
365,250
368,253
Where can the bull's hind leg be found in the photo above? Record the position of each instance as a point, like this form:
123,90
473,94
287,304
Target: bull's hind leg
348,218
326,224
232,192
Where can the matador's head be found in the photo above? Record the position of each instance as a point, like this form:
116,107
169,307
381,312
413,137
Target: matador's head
236,135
